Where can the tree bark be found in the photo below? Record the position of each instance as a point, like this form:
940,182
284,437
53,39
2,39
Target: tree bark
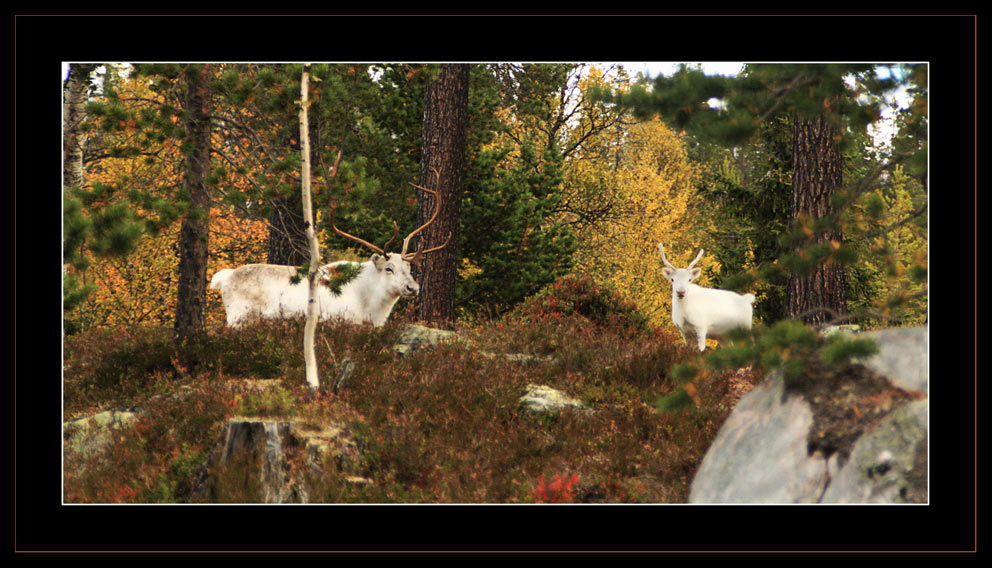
817,175
310,330
195,232
76,89
444,142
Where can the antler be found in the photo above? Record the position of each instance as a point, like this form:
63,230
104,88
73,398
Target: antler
354,238
396,230
411,258
698,256
661,247
415,257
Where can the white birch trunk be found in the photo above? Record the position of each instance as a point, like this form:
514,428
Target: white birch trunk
309,331
73,110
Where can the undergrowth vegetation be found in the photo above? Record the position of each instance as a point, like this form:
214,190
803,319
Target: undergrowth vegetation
442,425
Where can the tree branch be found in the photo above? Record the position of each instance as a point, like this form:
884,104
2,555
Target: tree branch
837,318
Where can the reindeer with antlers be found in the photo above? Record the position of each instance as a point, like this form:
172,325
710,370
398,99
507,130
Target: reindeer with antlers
703,312
266,290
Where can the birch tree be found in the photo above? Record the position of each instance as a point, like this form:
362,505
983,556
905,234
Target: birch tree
309,331
73,111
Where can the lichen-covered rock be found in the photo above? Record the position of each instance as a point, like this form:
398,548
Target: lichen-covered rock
540,398
91,433
888,465
415,337
858,436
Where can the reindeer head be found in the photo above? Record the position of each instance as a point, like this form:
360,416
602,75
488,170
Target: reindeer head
680,277
395,273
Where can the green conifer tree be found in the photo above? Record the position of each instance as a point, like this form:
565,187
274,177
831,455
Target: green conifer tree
829,107
845,98
95,219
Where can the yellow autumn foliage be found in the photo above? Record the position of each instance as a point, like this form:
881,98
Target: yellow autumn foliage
142,288
651,182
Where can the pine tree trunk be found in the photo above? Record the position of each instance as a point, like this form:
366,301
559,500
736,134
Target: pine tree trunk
444,142
195,232
817,175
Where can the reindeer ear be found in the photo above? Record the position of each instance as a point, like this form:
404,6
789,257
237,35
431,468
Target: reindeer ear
379,261
668,272
694,273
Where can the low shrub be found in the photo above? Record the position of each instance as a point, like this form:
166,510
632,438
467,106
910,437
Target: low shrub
442,424
579,297
115,366
560,490
154,460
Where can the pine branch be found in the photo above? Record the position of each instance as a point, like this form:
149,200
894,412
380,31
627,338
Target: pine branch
837,318
779,95
883,230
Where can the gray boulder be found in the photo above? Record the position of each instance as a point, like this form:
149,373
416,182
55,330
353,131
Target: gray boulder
903,356
888,465
771,449
541,398
761,453
90,434
415,337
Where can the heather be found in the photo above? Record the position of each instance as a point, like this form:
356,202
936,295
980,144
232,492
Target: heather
441,425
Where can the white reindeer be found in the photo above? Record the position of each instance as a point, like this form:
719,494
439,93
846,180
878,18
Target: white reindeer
704,312
265,290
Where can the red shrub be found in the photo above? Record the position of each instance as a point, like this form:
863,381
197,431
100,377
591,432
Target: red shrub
558,491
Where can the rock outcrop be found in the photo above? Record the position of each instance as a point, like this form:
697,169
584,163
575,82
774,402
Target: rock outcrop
92,433
415,337
541,398
855,437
